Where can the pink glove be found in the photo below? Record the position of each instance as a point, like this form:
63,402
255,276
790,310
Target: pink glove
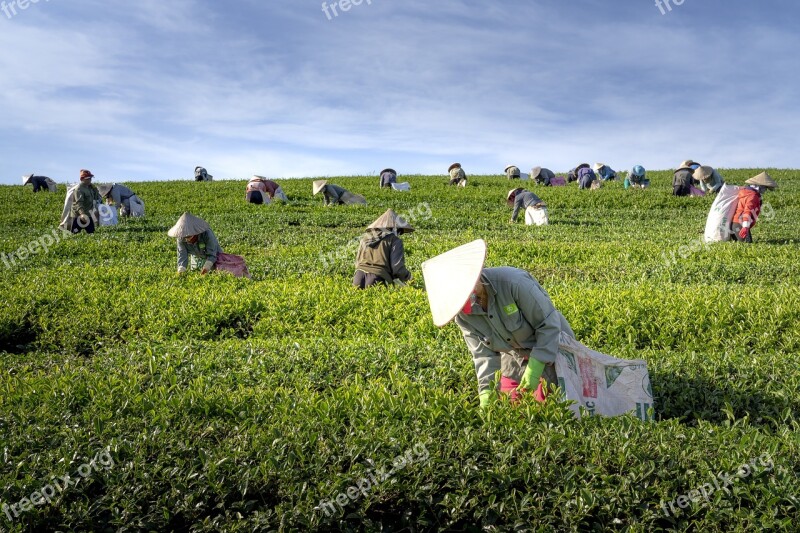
743,233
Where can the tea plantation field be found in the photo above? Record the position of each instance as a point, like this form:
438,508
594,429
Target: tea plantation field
132,399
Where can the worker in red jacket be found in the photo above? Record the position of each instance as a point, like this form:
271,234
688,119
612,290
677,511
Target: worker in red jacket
749,206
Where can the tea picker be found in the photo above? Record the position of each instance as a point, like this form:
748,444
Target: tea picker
122,198
40,183
196,239
335,195
381,256
457,175
748,206
507,319
534,207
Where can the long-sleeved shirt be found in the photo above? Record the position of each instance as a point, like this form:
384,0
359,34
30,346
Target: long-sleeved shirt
544,177
121,195
636,180
382,253
333,194
457,175
524,200
606,173
713,184
39,182
387,178
86,198
681,182
748,207
520,322
206,249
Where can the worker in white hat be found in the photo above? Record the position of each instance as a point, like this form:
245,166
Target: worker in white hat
604,172
512,172
683,179
123,198
542,176
507,319
709,178
520,199
381,255
335,195
195,238
748,206
457,175
40,183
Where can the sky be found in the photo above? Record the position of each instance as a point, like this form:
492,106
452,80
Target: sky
149,89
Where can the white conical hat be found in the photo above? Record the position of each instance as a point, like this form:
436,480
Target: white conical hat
318,185
26,179
763,179
188,225
535,171
391,220
257,178
451,277
703,173
105,188
598,166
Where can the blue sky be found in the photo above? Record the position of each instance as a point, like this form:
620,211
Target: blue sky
148,89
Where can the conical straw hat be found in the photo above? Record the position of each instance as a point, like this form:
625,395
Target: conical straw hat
257,178
763,179
318,185
598,166
105,188
393,171
27,179
513,193
451,277
188,225
687,164
703,173
454,165
535,171
391,220
509,166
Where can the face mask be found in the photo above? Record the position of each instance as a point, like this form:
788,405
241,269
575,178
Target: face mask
473,300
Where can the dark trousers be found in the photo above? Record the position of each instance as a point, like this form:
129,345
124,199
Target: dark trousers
255,197
681,190
362,280
77,225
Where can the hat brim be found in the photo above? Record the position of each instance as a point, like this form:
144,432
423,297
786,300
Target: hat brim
454,165
188,225
318,186
27,179
451,277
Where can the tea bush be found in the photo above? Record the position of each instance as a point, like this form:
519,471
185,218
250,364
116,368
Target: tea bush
242,405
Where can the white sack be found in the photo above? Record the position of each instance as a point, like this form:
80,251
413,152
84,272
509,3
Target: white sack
602,384
718,224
